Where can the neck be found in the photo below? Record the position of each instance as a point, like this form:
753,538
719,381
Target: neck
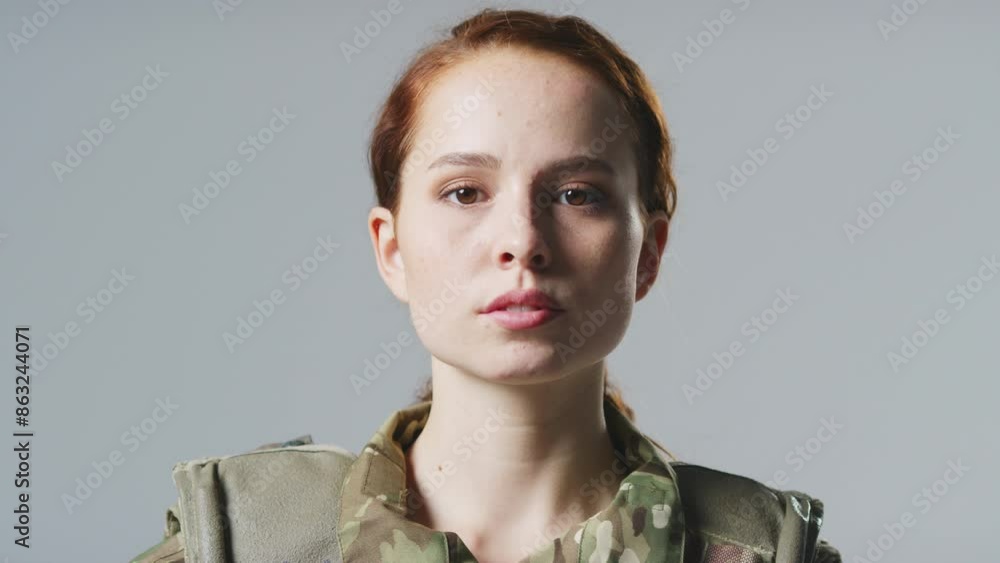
531,454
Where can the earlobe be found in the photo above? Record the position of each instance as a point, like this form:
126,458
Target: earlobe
382,228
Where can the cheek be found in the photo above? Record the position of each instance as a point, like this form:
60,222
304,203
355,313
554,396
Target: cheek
604,252
434,235
426,269
436,264
605,268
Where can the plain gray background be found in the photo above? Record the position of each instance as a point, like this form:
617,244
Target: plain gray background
824,360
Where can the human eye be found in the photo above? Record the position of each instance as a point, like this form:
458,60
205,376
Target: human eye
582,197
463,192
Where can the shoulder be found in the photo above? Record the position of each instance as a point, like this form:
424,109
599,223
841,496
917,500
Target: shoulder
274,458
170,550
259,477
723,507
303,443
710,487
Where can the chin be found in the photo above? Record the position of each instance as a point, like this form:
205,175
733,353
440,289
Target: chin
524,363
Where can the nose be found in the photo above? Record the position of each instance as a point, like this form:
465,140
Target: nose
522,242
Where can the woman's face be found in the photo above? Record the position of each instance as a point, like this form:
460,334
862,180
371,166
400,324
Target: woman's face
521,176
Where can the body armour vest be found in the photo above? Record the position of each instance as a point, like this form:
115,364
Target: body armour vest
297,502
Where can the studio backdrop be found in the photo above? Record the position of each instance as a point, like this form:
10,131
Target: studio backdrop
184,248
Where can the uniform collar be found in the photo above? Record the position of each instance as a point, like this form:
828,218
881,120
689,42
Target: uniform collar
644,522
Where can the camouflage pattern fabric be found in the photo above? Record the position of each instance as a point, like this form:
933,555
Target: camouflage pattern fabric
643,524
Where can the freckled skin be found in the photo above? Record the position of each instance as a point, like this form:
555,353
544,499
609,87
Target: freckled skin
559,111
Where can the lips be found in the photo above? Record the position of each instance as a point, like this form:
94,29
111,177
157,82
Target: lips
522,309
522,300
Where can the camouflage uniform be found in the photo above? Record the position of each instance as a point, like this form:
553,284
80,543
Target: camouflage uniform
646,522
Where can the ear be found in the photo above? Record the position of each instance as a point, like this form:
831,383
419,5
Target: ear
651,255
382,228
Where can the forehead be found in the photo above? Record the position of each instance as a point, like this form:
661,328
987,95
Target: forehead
525,107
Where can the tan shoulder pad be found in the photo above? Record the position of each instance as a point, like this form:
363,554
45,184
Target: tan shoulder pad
302,440
170,550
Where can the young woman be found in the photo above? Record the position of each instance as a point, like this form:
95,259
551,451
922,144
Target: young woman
522,168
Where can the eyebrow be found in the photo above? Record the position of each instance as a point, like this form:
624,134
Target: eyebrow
576,163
